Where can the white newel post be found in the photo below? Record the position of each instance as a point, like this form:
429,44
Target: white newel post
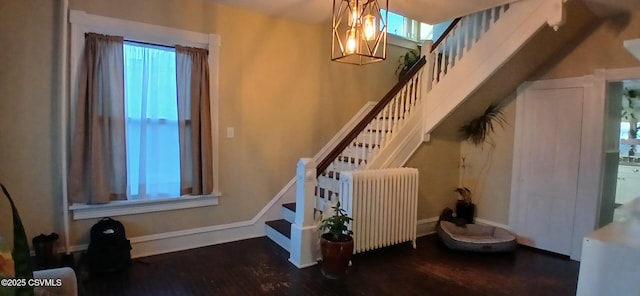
304,238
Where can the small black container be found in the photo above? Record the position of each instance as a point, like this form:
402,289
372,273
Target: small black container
44,247
466,211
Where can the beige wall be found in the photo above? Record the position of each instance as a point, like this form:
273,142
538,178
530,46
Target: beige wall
437,162
278,89
488,169
29,153
599,48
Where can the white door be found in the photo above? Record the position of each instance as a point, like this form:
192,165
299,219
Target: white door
547,178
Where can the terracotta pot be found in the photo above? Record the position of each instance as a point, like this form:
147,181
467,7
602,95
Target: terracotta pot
335,256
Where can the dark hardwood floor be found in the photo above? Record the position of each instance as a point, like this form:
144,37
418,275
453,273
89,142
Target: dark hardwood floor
259,267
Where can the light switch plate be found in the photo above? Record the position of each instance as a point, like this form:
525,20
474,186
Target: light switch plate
230,132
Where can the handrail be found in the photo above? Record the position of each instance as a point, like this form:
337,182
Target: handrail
324,164
445,33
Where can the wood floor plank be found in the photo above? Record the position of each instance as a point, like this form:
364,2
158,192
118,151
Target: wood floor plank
260,267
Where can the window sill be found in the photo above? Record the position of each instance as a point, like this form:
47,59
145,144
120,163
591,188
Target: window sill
402,42
129,207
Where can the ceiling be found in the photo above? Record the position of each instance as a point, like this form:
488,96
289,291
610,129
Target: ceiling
316,11
427,11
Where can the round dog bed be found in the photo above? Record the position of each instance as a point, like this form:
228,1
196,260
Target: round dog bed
474,237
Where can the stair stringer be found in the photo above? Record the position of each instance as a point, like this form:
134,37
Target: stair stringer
496,46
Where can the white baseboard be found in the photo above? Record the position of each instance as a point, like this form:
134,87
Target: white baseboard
149,245
426,226
491,223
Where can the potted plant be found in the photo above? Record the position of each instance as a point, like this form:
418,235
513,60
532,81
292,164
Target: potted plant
336,244
465,209
406,61
15,264
476,132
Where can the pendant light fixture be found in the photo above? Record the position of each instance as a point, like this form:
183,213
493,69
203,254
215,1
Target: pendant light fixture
359,31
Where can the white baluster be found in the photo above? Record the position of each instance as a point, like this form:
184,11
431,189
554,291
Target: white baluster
412,98
396,114
434,68
493,16
450,47
403,105
385,122
460,37
467,34
368,142
442,57
485,20
392,119
417,90
472,30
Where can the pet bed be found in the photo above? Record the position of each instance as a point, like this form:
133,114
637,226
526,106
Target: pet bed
474,237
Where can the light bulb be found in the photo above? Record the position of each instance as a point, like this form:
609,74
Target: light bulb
351,41
353,20
369,27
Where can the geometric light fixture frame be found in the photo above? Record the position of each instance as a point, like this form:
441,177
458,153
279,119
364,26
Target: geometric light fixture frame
359,31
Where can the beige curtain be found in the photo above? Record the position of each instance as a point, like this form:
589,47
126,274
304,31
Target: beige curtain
194,117
97,169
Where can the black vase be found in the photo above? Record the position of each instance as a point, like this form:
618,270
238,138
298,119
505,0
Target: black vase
466,211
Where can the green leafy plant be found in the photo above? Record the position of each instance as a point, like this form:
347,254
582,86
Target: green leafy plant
20,253
477,130
406,61
465,194
337,225
628,112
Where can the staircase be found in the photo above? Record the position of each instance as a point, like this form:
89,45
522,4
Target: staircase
480,58
356,150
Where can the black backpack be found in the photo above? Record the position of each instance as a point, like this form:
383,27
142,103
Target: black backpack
109,249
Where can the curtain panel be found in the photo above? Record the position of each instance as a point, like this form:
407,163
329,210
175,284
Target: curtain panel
194,121
97,169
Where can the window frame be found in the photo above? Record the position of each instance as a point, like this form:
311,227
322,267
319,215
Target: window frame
82,23
413,29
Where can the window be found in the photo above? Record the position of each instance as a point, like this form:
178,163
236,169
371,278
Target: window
151,106
152,142
402,26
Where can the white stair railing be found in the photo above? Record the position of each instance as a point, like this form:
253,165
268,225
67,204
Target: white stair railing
459,40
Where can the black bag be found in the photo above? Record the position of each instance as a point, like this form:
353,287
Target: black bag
109,249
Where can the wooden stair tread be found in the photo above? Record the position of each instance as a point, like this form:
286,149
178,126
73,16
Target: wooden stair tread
365,145
330,174
324,193
291,206
283,226
349,159
374,130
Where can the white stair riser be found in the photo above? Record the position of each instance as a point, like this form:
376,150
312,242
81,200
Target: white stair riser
278,238
288,215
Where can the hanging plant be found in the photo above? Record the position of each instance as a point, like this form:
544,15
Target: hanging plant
477,130
406,61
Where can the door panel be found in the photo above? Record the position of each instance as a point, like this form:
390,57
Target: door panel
550,165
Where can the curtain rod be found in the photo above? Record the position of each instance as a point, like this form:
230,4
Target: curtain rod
149,43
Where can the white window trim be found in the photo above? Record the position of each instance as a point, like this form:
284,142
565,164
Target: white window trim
130,207
82,23
400,41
